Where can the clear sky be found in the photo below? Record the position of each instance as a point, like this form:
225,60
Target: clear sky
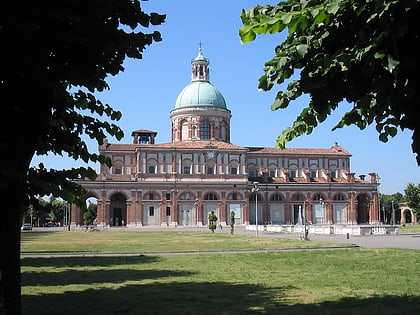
147,90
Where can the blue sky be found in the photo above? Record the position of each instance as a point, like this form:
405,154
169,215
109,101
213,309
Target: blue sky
146,91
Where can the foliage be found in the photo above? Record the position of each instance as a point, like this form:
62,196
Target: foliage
232,221
212,221
387,204
56,54
361,52
412,195
89,215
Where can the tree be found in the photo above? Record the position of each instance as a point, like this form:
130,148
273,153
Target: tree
232,222
55,55
212,221
364,52
390,204
412,195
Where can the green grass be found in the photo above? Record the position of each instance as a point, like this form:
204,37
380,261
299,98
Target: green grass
415,228
146,242
354,281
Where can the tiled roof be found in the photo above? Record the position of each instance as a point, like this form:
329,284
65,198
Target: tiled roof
220,145
217,145
334,150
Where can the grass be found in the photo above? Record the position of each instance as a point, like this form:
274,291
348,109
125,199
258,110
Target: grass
354,281
410,228
146,242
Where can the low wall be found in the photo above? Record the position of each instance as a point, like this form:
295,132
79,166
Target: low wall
329,229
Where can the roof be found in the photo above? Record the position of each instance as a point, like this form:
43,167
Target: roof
194,145
200,93
220,145
334,150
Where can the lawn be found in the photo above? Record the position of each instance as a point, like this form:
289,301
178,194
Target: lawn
352,281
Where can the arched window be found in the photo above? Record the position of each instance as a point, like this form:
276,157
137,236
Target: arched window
118,168
210,168
234,167
186,167
298,197
210,196
184,130
151,166
339,197
276,197
205,130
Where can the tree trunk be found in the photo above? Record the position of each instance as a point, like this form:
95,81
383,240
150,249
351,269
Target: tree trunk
10,282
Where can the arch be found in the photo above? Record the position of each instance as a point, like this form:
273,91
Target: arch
276,197
272,170
186,196
211,196
339,197
293,171
252,170
151,195
234,195
118,209
210,167
234,167
298,196
318,196
186,166
151,166
362,213
117,167
184,129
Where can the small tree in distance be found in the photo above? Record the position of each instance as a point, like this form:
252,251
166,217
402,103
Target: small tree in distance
212,221
232,222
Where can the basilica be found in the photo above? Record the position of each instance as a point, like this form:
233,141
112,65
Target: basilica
179,183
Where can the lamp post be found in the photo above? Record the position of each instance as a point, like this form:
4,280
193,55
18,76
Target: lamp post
322,203
255,190
393,213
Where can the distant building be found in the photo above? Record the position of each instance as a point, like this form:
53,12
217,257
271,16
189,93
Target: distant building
200,170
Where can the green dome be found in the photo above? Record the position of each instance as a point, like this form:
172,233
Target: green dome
200,93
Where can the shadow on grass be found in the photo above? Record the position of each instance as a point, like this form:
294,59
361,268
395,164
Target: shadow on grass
206,298
152,293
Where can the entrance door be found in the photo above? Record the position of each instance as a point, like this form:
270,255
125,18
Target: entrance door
117,217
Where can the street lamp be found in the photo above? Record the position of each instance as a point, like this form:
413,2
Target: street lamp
393,213
255,190
322,203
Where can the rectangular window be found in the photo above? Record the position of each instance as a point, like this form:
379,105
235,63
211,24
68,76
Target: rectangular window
251,173
313,174
151,196
210,170
118,171
168,196
234,170
333,174
151,169
292,173
168,211
186,170
272,173
151,211
234,196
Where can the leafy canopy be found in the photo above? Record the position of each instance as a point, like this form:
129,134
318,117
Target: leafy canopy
56,55
364,52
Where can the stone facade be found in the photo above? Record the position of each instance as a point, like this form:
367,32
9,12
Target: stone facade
199,171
